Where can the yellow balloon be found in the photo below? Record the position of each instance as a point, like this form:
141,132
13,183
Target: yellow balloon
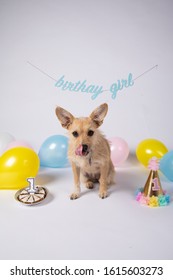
150,148
16,165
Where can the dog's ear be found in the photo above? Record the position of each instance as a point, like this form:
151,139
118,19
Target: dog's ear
99,114
64,117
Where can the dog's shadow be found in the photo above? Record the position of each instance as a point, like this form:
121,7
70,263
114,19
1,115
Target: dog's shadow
130,176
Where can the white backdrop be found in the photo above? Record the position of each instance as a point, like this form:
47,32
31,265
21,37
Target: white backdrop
101,42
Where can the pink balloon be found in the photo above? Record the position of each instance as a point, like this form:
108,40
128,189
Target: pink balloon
18,144
119,150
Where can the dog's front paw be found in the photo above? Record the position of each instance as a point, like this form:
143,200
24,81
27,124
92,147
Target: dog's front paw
74,196
103,194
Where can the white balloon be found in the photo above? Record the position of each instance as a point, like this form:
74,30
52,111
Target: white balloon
5,139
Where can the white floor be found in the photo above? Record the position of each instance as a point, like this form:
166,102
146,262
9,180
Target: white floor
87,228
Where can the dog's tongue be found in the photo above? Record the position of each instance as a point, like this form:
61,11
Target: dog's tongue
78,151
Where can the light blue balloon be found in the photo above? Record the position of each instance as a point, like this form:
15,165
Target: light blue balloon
166,165
53,152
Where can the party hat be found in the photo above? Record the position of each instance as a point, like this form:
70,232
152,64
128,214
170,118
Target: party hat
153,185
152,193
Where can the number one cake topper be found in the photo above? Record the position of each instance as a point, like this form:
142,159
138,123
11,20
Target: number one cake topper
32,194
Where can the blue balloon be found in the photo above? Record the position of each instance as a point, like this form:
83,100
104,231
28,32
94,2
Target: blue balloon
53,152
166,165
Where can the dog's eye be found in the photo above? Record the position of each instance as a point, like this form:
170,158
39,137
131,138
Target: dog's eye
90,133
75,133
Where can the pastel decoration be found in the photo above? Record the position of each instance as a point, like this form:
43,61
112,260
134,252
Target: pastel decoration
166,165
149,148
53,152
154,201
16,165
17,143
5,139
119,150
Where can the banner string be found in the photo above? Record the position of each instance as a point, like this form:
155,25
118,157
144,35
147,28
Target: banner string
43,72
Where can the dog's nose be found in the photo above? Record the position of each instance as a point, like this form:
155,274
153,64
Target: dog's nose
84,148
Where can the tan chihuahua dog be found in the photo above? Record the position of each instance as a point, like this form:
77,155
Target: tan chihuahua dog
89,151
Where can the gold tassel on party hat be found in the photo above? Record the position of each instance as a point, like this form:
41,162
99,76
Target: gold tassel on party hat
153,186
